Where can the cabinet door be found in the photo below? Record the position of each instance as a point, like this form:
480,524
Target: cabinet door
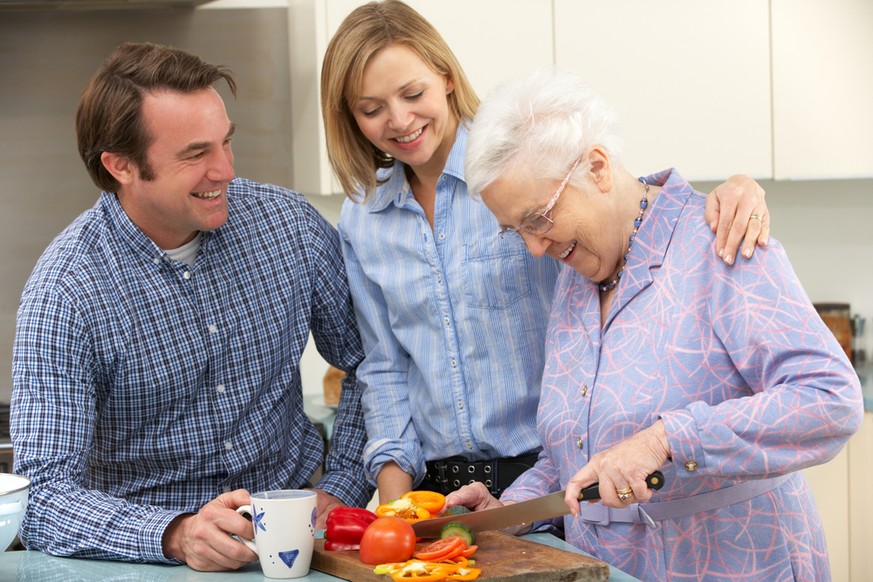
830,487
823,88
494,40
690,79
861,515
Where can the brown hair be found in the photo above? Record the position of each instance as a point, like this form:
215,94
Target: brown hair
364,32
109,116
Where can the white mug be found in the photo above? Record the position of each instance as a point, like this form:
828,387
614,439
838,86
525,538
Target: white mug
284,523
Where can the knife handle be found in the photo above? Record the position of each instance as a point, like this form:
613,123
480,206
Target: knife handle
654,481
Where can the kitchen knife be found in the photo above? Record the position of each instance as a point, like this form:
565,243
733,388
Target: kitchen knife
545,507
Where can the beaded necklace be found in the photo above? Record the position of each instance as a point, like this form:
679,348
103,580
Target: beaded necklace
644,203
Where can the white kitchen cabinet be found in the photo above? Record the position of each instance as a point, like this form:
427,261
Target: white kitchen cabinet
830,485
690,79
822,88
493,39
860,495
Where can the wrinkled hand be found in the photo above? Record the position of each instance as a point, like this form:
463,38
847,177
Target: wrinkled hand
729,209
203,541
324,503
474,497
627,464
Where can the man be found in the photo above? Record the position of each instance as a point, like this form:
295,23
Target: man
156,362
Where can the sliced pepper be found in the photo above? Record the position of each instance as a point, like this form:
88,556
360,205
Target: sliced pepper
403,508
346,525
465,574
420,572
430,500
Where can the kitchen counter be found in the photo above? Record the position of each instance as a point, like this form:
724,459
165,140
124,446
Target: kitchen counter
36,566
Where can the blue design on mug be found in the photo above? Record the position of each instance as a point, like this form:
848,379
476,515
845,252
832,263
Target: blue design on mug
289,557
259,519
312,519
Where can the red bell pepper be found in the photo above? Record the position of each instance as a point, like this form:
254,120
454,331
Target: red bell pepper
345,527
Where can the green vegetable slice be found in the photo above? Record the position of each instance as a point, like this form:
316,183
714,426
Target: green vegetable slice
454,528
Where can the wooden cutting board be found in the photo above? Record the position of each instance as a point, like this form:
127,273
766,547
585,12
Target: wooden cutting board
501,557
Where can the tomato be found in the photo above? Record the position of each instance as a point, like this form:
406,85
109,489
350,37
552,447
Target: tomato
430,500
388,539
442,549
469,550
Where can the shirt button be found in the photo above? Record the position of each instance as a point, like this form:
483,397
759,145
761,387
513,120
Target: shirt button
228,445
156,261
186,275
469,446
447,320
584,389
579,442
460,405
454,363
442,236
220,388
213,328
690,466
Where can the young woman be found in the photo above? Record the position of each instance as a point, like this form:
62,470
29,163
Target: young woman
452,316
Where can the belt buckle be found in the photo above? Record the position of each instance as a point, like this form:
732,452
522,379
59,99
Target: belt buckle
595,513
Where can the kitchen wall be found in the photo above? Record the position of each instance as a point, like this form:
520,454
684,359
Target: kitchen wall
46,58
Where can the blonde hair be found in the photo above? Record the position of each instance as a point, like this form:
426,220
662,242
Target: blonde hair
364,32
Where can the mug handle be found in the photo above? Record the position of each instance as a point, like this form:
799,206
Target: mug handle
242,510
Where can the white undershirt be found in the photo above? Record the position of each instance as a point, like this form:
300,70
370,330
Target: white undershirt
187,252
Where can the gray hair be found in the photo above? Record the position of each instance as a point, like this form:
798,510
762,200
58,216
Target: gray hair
542,122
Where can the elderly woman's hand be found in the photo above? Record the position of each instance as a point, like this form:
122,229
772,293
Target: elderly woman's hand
736,212
622,470
474,497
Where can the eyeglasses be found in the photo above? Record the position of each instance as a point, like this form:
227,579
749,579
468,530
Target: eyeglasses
539,223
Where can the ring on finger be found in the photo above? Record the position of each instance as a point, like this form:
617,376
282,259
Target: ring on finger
625,494
757,217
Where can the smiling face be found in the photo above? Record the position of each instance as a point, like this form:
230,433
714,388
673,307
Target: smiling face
580,237
403,109
191,164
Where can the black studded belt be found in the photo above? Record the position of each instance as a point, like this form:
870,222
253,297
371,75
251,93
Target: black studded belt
447,475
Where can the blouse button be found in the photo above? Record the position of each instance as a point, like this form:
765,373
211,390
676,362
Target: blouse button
584,389
690,466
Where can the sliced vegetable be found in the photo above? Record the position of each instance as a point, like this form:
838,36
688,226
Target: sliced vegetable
454,528
403,508
470,551
442,549
430,500
387,539
345,527
422,571
332,546
464,574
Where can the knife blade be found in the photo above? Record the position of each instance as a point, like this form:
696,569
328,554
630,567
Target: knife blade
545,507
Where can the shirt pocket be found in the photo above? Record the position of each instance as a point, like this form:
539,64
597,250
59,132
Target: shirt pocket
496,273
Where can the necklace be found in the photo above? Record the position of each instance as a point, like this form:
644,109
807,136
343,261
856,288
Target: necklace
644,203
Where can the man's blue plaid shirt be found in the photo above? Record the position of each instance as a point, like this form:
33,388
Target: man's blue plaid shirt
144,388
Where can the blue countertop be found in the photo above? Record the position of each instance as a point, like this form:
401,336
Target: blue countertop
36,566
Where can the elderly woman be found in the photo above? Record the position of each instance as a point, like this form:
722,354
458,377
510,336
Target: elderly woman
659,356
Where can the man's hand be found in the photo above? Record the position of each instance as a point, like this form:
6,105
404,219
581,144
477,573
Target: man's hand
202,540
324,502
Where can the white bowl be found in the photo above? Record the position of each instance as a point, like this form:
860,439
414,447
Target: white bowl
13,502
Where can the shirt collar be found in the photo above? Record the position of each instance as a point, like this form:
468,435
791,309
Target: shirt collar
397,191
130,232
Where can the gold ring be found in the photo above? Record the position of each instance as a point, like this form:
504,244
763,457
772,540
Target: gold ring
624,494
757,217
